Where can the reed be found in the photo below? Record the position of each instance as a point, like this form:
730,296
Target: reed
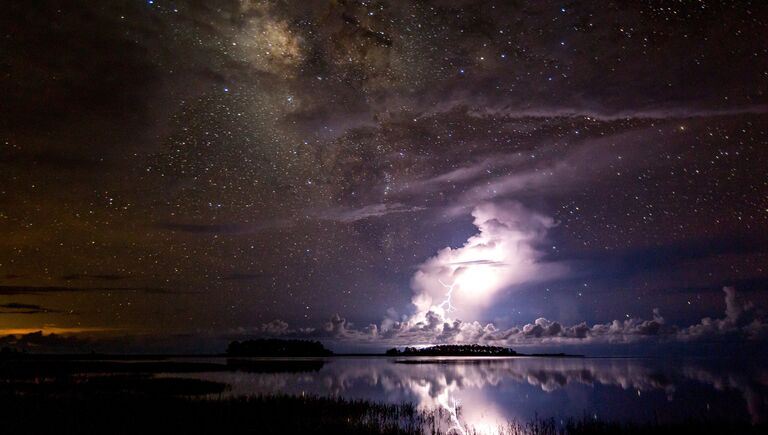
155,412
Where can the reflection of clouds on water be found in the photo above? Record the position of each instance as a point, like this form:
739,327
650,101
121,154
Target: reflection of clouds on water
752,388
493,391
553,374
438,385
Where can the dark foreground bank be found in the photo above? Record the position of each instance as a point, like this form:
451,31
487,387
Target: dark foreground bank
115,413
47,395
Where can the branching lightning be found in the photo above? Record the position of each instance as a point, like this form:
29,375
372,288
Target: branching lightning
453,412
446,305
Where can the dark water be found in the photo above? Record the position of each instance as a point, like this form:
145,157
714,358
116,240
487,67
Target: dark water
490,391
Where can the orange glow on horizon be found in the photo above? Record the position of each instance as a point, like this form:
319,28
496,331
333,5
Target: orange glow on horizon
48,330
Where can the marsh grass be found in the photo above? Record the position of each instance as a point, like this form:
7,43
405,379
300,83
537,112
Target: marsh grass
41,396
129,413
149,413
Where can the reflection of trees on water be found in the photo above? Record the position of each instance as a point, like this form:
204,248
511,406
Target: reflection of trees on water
438,385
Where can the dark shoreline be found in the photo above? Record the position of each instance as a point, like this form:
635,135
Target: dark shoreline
89,393
160,357
158,412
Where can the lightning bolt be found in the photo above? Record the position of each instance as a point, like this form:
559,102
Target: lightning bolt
446,304
454,413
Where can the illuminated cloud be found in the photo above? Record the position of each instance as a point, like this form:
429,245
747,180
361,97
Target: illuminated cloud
741,319
504,253
741,322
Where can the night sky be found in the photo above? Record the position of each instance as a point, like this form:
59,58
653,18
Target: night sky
174,175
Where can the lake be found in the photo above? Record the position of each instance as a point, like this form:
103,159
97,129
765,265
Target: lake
491,391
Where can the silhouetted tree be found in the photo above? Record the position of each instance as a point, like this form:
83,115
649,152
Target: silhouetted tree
392,352
454,350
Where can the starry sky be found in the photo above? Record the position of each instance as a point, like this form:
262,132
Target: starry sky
193,171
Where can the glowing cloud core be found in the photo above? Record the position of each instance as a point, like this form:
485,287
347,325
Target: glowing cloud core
464,281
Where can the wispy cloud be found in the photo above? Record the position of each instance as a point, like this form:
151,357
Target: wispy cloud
103,277
348,214
8,290
647,113
20,308
547,170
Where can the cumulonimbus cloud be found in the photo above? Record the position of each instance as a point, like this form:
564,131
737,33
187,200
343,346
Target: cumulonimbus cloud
503,253
456,285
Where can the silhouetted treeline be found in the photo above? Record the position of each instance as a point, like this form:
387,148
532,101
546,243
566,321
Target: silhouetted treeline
276,347
10,352
453,350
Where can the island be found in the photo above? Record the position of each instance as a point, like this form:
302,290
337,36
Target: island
453,350
467,350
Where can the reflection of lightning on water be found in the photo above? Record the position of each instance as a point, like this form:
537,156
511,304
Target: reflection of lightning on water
454,413
446,304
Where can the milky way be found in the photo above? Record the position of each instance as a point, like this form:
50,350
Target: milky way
201,169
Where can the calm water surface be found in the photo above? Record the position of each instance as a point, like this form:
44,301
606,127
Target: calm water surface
491,391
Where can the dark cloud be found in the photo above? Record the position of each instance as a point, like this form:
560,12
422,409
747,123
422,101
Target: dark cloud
8,290
104,277
16,305
47,343
20,308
